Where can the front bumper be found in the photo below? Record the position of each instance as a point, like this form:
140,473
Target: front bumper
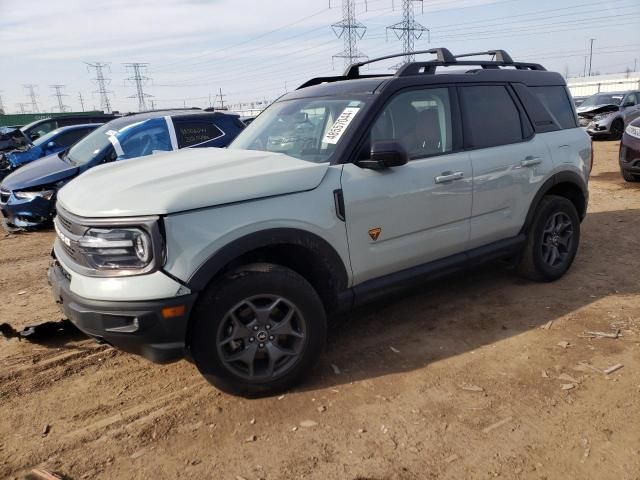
629,156
135,327
32,213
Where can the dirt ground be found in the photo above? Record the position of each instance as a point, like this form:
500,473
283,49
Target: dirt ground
468,378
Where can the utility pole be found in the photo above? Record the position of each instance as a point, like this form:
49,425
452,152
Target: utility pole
221,99
584,71
59,95
102,83
81,100
153,104
408,30
635,66
350,30
139,80
591,54
32,95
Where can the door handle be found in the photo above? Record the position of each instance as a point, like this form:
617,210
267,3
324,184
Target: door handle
531,161
449,177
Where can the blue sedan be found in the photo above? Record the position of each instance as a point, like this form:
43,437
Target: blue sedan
53,142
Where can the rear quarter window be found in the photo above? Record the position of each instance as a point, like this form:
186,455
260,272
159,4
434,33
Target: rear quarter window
557,103
190,133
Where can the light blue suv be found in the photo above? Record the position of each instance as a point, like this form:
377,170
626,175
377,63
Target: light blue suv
342,191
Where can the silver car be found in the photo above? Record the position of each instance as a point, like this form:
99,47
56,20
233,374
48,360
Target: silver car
606,114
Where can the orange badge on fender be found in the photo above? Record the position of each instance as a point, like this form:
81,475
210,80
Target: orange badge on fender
374,233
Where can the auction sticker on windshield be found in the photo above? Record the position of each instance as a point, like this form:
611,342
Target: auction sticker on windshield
340,125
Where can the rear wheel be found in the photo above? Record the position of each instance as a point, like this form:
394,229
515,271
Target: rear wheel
552,241
630,177
257,331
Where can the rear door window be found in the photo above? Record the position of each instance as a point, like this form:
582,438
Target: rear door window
557,103
190,133
491,117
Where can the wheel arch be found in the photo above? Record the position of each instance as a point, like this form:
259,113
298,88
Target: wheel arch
303,252
564,184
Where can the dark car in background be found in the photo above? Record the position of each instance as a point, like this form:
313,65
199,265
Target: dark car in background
38,128
48,144
630,152
27,196
606,114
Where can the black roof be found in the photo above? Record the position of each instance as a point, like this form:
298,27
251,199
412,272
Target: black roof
447,68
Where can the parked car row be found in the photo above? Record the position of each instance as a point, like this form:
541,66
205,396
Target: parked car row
28,195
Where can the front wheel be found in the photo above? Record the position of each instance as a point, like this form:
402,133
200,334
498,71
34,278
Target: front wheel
258,330
629,177
552,240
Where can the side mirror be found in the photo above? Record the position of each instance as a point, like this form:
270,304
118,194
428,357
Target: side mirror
51,144
385,154
34,136
628,104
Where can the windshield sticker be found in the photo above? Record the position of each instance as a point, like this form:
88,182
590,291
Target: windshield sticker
116,145
340,125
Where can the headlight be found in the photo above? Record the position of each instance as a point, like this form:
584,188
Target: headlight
46,194
117,248
633,131
601,116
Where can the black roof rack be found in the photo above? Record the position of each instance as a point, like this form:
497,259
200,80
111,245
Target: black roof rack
500,55
444,58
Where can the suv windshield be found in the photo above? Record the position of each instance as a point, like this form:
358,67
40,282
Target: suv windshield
603,99
134,139
305,128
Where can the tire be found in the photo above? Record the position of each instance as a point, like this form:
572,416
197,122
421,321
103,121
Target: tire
629,177
616,130
556,224
240,331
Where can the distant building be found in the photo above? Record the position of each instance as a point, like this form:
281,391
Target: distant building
585,86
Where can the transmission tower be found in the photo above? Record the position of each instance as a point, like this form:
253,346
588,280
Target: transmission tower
408,30
139,80
22,106
32,95
81,100
59,95
102,83
350,30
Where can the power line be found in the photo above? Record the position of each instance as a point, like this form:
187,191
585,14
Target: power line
350,30
102,83
139,80
32,95
59,95
408,30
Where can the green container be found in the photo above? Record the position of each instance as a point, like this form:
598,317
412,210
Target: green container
21,119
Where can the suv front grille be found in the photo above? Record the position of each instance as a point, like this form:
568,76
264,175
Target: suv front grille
67,231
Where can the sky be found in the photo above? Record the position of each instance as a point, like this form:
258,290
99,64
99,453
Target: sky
255,50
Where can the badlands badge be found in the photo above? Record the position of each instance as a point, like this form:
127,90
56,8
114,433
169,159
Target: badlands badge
374,233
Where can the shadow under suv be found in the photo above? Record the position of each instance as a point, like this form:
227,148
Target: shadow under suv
342,191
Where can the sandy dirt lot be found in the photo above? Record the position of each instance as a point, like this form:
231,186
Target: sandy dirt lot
483,375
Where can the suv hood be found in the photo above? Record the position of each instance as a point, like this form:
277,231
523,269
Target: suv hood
589,112
191,178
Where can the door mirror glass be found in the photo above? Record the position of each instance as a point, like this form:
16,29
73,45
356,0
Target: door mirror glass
34,136
385,154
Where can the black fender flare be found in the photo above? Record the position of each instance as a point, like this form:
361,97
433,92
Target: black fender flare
556,179
271,237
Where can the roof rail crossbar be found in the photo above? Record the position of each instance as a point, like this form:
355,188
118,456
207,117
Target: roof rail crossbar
500,55
442,55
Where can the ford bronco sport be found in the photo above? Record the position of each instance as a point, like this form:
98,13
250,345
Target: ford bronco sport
343,190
